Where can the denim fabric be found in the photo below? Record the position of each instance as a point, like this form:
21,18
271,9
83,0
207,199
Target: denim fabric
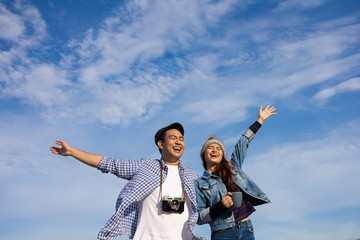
210,188
242,231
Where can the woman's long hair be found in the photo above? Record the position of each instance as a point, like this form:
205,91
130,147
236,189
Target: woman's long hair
223,168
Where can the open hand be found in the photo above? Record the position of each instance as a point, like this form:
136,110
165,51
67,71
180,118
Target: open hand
264,114
64,150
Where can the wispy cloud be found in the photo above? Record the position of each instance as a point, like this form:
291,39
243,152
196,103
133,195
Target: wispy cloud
300,175
299,4
11,26
288,65
145,55
119,74
296,176
22,25
204,63
346,86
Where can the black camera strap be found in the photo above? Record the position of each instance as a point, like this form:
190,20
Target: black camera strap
183,185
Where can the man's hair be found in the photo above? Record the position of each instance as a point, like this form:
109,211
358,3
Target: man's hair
160,134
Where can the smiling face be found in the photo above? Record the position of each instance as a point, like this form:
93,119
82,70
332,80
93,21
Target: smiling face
213,155
172,147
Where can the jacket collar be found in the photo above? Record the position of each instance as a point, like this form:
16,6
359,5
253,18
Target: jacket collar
207,175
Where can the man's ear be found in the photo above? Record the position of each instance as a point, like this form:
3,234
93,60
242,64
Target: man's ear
160,144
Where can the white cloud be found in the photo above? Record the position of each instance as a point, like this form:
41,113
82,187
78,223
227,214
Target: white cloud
24,30
116,79
40,85
328,39
233,105
120,103
118,74
306,179
346,86
11,26
20,31
287,63
299,4
314,74
118,49
31,15
312,59
231,96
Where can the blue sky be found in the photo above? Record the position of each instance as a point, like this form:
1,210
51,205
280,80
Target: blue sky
105,75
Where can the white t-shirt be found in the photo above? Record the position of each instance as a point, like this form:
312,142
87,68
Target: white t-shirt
153,223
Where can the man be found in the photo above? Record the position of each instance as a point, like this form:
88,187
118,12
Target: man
159,200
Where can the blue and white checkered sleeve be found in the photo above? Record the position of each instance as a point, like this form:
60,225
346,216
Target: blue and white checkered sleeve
121,168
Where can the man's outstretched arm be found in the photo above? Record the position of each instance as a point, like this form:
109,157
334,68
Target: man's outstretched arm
65,150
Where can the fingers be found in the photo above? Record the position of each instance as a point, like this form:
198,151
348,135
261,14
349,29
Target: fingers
272,109
227,200
55,150
269,109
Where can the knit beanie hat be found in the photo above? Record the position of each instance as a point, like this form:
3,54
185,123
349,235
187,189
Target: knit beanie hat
212,139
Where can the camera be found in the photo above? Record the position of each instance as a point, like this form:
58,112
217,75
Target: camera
173,204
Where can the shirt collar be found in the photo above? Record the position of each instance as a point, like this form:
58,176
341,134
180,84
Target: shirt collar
181,165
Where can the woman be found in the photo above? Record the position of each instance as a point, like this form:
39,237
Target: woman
220,178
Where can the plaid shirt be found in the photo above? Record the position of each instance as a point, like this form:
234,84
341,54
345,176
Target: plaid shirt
144,176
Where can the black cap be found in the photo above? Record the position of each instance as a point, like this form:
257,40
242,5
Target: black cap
161,131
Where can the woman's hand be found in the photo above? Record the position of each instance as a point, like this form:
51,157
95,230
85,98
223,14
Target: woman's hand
264,114
227,200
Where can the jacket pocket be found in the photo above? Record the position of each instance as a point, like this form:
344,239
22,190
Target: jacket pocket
211,191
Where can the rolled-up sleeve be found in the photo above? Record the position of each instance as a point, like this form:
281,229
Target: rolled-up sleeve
203,210
121,168
204,216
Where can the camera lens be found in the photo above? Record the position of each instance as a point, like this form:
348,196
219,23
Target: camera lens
174,204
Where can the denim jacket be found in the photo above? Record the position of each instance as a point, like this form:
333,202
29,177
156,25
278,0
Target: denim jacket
210,189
